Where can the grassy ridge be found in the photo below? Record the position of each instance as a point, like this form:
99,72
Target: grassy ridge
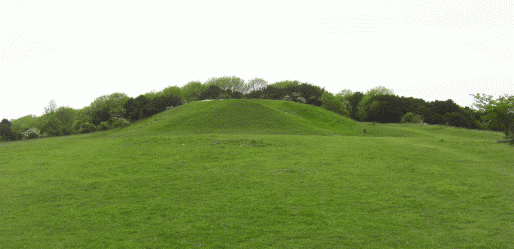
219,182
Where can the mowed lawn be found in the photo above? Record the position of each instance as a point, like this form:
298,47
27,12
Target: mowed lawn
258,174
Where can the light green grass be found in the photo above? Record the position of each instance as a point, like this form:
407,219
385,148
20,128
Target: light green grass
258,174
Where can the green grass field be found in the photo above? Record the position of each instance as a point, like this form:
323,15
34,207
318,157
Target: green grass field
258,174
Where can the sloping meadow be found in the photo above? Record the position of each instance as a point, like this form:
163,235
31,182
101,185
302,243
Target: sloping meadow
258,174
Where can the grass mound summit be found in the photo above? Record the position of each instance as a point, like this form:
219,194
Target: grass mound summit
241,116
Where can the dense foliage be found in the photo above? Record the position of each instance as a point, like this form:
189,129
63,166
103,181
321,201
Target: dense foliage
375,105
410,117
334,103
499,113
6,132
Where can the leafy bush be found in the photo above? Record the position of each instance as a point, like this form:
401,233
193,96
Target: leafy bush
134,107
5,131
119,122
87,127
298,98
353,101
334,104
224,96
433,118
32,136
456,119
192,91
31,133
410,117
103,126
212,92
382,109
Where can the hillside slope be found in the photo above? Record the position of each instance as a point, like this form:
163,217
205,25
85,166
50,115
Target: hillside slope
241,116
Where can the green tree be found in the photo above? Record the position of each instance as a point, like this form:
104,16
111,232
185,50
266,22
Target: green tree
232,83
365,103
105,107
160,103
192,91
410,117
311,93
500,112
255,84
49,124
384,109
354,101
345,95
212,92
174,91
379,90
152,94
82,117
65,117
334,104
51,107
24,123
457,119
137,109
5,130
285,84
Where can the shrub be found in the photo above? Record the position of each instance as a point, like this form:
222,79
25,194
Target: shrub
287,98
410,117
32,136
87,127
103,126
224,96
119,122
296,97
31,133
433,118
456,119
212,92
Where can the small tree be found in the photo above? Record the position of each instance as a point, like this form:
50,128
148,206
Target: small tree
255,84
334,104
173,91
87,127
51,107
410,117
366,102
31,133
192,91
499,111
103,126
212,92
119,122
5,130
232,83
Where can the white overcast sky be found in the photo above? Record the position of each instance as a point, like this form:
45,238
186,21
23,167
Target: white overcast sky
76,51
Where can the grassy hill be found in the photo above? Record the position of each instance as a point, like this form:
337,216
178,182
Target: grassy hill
239,116
258,174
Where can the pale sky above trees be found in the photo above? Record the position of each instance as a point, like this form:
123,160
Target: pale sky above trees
74,52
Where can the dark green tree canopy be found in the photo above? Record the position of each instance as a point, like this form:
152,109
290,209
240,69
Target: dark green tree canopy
385,109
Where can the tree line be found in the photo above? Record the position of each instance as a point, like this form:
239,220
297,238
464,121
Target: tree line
375,105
